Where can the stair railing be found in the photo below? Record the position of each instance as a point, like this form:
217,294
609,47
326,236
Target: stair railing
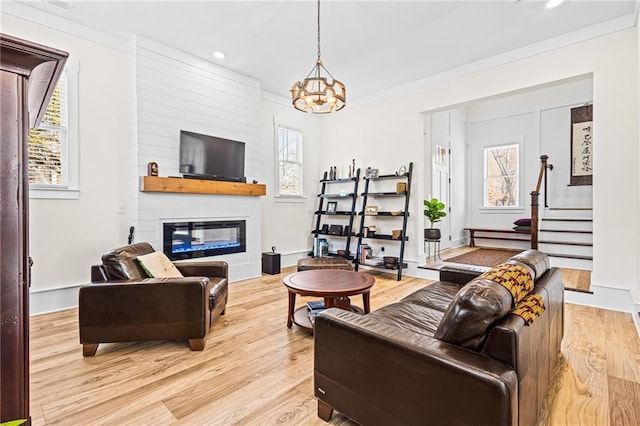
535,194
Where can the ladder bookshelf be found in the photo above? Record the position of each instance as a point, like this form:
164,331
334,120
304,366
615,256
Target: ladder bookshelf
402,197
347,194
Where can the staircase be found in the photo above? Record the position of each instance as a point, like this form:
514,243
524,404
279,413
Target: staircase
566,235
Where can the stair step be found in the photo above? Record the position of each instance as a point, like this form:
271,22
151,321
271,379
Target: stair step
570,256
566,219
566,243
570,208
572,231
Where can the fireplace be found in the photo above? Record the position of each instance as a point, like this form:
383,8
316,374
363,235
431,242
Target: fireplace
187,240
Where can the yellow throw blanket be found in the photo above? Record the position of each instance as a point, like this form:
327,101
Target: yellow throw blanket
530,308
514,278
518,280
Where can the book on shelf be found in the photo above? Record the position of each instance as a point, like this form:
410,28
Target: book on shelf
314,307
365,253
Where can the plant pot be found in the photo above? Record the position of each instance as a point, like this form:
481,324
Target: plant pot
432,234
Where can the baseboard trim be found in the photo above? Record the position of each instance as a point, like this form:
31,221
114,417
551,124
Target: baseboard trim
291,259
53,300
615,299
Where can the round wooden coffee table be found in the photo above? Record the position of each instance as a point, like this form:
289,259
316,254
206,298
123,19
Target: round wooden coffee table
333,285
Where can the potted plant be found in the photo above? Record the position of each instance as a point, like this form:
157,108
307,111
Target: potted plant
434,212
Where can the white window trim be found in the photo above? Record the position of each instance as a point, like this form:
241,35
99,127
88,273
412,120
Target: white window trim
285,198
506,209
71,191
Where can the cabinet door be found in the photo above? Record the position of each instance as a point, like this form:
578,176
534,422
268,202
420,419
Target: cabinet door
14,270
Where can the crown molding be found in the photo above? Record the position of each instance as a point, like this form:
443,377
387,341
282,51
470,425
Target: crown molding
273,97
37,16
594,31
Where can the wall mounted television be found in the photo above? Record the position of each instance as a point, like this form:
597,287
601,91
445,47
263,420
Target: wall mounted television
211,157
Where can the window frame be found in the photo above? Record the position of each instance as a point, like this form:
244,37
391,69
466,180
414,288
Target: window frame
288,197
485,150
70,146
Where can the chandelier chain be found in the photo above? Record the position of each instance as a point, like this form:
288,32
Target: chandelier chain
318,30
317,93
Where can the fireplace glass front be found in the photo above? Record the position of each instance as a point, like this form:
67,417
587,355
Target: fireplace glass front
186,240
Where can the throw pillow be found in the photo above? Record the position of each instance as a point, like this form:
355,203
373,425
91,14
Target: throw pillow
476,308
158,265
526,221
520,228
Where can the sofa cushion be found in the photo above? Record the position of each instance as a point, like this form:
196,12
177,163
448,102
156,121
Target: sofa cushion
410,317
436,296
472,312
158,265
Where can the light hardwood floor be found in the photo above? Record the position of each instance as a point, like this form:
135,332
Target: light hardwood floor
256,371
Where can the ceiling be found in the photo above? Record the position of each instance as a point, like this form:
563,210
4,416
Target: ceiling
368,45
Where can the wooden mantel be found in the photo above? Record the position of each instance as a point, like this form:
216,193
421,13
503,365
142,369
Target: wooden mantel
198,186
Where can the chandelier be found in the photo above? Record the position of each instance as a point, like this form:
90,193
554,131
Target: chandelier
316,93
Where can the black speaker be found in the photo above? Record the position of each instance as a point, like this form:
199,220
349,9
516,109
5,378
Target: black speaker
270,263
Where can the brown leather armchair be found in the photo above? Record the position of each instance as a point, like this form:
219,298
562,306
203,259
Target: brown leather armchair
122,304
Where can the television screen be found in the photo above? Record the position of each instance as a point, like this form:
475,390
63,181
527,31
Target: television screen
203,156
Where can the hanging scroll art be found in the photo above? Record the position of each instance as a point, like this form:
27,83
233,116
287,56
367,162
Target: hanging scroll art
582,145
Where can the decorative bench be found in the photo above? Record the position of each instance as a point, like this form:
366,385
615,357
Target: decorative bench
472,236
310,263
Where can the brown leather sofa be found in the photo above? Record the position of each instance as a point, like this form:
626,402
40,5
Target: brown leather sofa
122,304
416,362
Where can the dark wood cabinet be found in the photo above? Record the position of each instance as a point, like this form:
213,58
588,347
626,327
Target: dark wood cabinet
28,74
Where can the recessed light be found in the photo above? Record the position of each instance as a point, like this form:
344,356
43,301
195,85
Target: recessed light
219,55
553,3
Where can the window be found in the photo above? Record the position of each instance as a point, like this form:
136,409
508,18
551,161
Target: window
53,145
289,176
502,176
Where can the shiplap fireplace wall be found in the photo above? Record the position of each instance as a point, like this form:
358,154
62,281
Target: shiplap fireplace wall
175,91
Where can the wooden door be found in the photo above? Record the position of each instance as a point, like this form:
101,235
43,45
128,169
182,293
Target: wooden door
14,372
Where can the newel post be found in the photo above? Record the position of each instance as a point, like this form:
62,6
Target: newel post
534,219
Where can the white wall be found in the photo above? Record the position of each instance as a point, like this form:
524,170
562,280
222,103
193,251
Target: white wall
175,91
383,136
459,176
68,236
286,222
541,117
389,132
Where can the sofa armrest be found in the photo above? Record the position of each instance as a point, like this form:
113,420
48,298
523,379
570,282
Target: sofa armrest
98,274
461,274
374,372
212,268
149,301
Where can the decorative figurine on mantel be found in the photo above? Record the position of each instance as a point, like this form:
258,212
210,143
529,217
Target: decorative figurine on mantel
331,173
152,168
352,169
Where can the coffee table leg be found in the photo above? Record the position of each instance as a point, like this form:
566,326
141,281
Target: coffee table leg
292,305
366,302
